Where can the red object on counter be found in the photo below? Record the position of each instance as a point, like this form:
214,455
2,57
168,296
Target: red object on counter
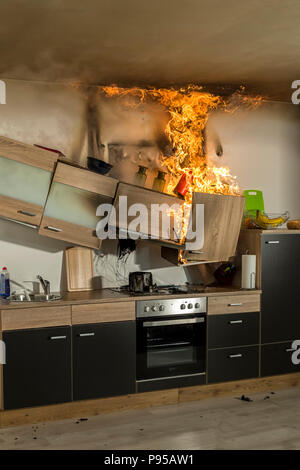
183,184
50,150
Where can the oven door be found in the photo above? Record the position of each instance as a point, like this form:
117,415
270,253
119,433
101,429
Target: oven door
171,347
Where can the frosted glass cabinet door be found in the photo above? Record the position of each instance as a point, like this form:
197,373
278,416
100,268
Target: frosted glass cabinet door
25,178
24,182
70,215
23,190
70,212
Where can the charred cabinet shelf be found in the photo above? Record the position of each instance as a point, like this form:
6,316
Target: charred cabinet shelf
25,178
70,211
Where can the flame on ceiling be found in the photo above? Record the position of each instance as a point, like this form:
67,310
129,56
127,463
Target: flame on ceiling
189,108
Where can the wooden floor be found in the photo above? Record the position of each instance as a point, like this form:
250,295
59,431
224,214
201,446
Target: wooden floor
270,421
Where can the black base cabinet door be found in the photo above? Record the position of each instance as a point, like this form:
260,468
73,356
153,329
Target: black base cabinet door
228,330
233,364
277,359
280,307
104,357
38,367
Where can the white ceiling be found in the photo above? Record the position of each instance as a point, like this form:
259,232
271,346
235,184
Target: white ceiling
154,42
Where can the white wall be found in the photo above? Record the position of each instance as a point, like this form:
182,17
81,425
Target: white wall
261,147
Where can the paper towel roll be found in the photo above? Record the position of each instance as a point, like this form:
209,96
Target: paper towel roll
248,271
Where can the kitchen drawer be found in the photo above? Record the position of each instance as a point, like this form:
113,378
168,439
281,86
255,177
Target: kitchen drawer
35,317
103,313
276,358
233,364
233,304
239,329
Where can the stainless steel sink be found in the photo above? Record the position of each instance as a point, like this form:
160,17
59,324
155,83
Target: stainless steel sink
34,298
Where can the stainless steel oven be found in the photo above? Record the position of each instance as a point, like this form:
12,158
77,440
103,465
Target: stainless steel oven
171,338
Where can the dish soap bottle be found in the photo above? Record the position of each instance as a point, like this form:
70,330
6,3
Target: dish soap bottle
5,283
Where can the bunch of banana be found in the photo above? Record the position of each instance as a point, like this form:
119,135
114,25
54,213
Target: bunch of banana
264,222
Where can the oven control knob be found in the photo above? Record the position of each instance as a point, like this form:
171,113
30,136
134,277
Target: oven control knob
182,306
161,308
197,305
146,309
190,305
154,308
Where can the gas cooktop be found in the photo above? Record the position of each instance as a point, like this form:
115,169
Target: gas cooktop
165,290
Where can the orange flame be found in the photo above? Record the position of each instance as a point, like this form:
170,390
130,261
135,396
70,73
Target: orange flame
189,109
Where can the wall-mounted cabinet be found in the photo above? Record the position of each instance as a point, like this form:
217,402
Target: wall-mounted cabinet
70,211
25,177
153,225
222,222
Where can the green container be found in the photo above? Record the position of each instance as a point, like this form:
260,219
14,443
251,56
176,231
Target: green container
254,201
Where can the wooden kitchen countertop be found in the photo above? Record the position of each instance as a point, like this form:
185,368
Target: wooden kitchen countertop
109,295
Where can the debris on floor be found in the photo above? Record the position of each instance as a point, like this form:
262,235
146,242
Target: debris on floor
80,420
244,398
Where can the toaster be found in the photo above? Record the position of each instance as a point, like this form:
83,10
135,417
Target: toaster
140,282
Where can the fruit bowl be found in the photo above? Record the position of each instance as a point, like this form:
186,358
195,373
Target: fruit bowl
264,220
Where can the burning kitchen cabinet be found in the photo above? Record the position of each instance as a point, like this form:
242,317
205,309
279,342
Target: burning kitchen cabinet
147,214
222,222
70,211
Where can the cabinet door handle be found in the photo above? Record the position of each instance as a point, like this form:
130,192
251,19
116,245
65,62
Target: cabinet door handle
273,242
86,334
235,322
238,304
53,229
188,321
235,356
58,337
30,214
290,350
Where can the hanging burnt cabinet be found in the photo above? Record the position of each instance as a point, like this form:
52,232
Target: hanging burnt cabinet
222,222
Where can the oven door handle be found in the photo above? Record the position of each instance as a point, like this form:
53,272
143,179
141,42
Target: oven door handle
188,321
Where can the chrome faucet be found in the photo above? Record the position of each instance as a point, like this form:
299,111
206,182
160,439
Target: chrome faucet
45,284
